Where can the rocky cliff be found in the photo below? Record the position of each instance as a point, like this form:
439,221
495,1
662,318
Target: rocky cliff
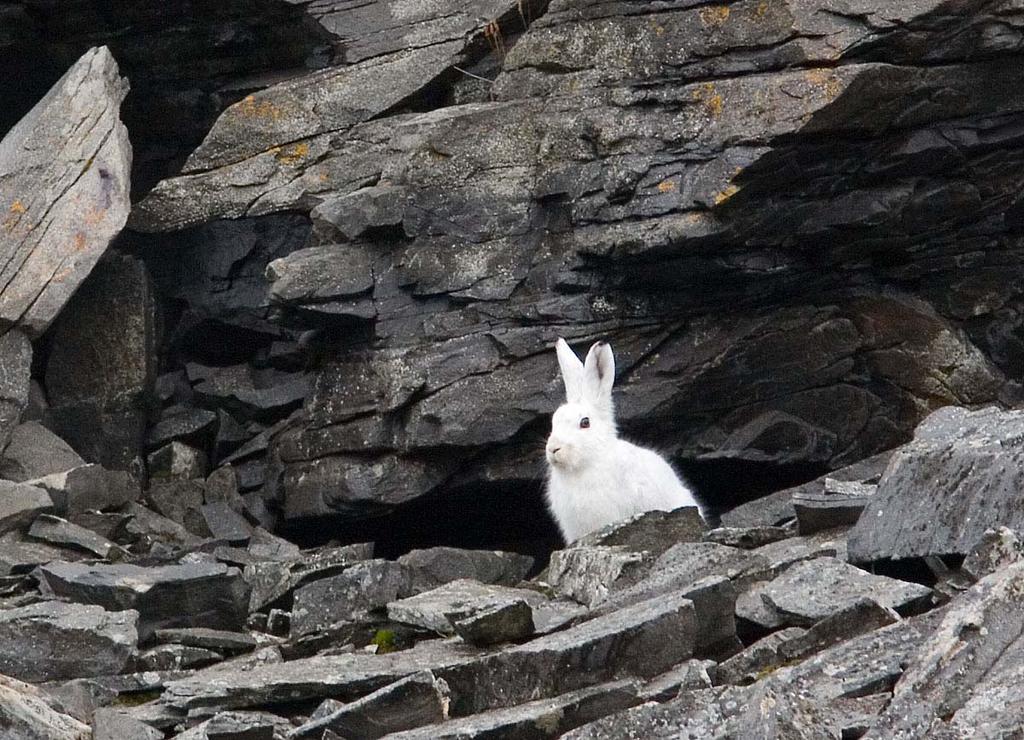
297,267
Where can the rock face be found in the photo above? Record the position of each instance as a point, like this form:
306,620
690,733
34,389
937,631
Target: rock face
64,181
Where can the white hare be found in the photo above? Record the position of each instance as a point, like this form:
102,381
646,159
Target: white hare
595,478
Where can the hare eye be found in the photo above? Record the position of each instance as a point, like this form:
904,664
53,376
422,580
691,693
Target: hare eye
585,422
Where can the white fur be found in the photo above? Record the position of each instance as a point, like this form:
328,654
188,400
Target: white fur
595,478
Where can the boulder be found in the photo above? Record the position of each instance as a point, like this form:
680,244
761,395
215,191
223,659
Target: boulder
88,488
28,713
64,182
35,452
52,641
351,595
589,573
15,366
112,724
20,504
490,626
190,595
61,532
437,609
969,463
434,566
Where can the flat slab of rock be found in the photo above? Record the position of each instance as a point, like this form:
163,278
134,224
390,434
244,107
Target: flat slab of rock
20,504
502,623
61,532
420,699
958,477
351,595
747,538
815,589
26,713
192,595
589,573
652,532
34,452
64,190
749,664
434,566
52,641
434,610
536,719
88,488
203,637
112,724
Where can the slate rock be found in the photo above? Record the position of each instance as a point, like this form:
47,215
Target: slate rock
435,609
782,554
863,615
238,390
20,504
972,657
61,532
811,590
757,659
817,512
226,523
102,364
510,622
544,718
652,532
237,726
176,658
34,452
186,424
52,641
193,595
420,699
997,549
282,572
352,595
147,528
747,538
19,554
204,637
81,697
15,367
113,724
65,190
690,675
437,565
176,498
589,573
109,525
27,713
88,488
177,460
968,462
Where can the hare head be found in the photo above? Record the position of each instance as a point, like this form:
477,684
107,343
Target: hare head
583,427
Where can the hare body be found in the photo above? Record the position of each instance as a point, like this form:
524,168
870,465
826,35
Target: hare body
595,478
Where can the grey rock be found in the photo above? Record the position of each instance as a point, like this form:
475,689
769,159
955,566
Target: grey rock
757,660
65,164
225,523
109,525
817,512
20,504
81,697
102,365
222,487
690,675
61,532
997,549
15,366
177,460
782,554
176,658
282,572
352,595
88,488
536,719
204,637
968,462
181,424
26,713
239,390
501,623
420,699
971,657
812,590
267,546
652,532
147,528
589,573
237,726
18,554
436,609
752,608
437,565
747,538
34,452
177,499
55,641
863,615
193,595
113,724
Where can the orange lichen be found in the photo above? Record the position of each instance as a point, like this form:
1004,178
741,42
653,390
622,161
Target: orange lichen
252,108
81,243
666,186
714,15
826,80
293,154
762,9
710,97
18,207
95,215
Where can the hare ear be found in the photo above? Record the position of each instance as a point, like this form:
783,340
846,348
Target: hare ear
572,371
599,375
